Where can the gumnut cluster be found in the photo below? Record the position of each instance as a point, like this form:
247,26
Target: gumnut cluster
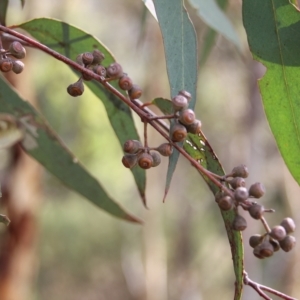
144,157
184,118
10,58
275,238
93,61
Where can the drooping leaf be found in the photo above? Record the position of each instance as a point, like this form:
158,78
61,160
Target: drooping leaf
71,41
181,56
197,146
3,10
273,32
43,144
210,12
209,39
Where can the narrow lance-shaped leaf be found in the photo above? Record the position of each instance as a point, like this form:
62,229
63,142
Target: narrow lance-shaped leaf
43,144
213,16
197,146
181,56
273,31
209,39
71,41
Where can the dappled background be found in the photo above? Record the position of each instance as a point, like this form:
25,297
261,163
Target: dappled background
181,252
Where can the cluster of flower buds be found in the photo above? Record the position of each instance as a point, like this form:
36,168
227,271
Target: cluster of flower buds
279,237
185,119
274,239
7,58
144,157
93,61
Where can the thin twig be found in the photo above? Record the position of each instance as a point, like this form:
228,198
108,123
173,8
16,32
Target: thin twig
266,225
259,288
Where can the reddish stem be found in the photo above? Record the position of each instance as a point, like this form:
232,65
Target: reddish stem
259,288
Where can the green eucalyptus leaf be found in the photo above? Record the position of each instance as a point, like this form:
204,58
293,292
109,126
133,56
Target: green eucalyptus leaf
181,56
273,31
41,142
71,41
197,146
209,39
211,13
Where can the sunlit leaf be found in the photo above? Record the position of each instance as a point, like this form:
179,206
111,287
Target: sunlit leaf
210,12
197,146
273,31
150,6
181,56
71,41
43,144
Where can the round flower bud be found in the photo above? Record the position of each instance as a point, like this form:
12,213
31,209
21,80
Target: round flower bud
278,233
288,243
255,240
185,94
237,182
225,203
275,244
100,70
129,160
165,149
132,146
257,190
288,224
114,70
219,194
79,60
6,64
187,116
125,83
266,249
76,89
86,76
17,50
156,158
98,57
241,194
87,58
256,211
195,127
145,160
18,66
256,252
135,92
178,133
179,102
240,171
239,223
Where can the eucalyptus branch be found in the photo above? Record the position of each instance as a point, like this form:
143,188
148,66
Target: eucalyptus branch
145,116
259,288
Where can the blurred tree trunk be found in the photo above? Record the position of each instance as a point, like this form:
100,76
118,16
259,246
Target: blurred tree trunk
20,184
